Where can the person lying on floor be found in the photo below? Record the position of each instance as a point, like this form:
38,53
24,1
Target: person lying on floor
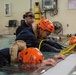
16,54
36,36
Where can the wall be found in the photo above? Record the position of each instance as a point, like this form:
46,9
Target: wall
19,7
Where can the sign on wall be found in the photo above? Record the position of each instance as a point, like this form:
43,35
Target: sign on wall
7,9
72,4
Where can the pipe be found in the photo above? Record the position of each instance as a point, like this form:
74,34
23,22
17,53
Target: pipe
30,5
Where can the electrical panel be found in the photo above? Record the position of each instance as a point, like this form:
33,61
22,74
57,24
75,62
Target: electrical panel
48,4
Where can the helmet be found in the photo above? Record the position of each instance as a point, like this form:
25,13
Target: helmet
46,24
72,40
31,55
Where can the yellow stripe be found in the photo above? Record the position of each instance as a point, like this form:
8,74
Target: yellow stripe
40,44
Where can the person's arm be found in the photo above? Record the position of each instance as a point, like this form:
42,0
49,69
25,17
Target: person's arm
52,61
4,57
59,56
54,43
48,48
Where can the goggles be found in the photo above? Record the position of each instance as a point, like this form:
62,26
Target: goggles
32,16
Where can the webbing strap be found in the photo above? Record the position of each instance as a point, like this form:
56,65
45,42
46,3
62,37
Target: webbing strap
68,49
40,44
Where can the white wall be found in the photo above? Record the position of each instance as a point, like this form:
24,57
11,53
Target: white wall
19,7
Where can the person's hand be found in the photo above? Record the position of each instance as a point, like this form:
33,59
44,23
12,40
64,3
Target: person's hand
49,62
59,56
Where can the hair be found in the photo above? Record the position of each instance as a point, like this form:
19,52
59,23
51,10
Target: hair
27,13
